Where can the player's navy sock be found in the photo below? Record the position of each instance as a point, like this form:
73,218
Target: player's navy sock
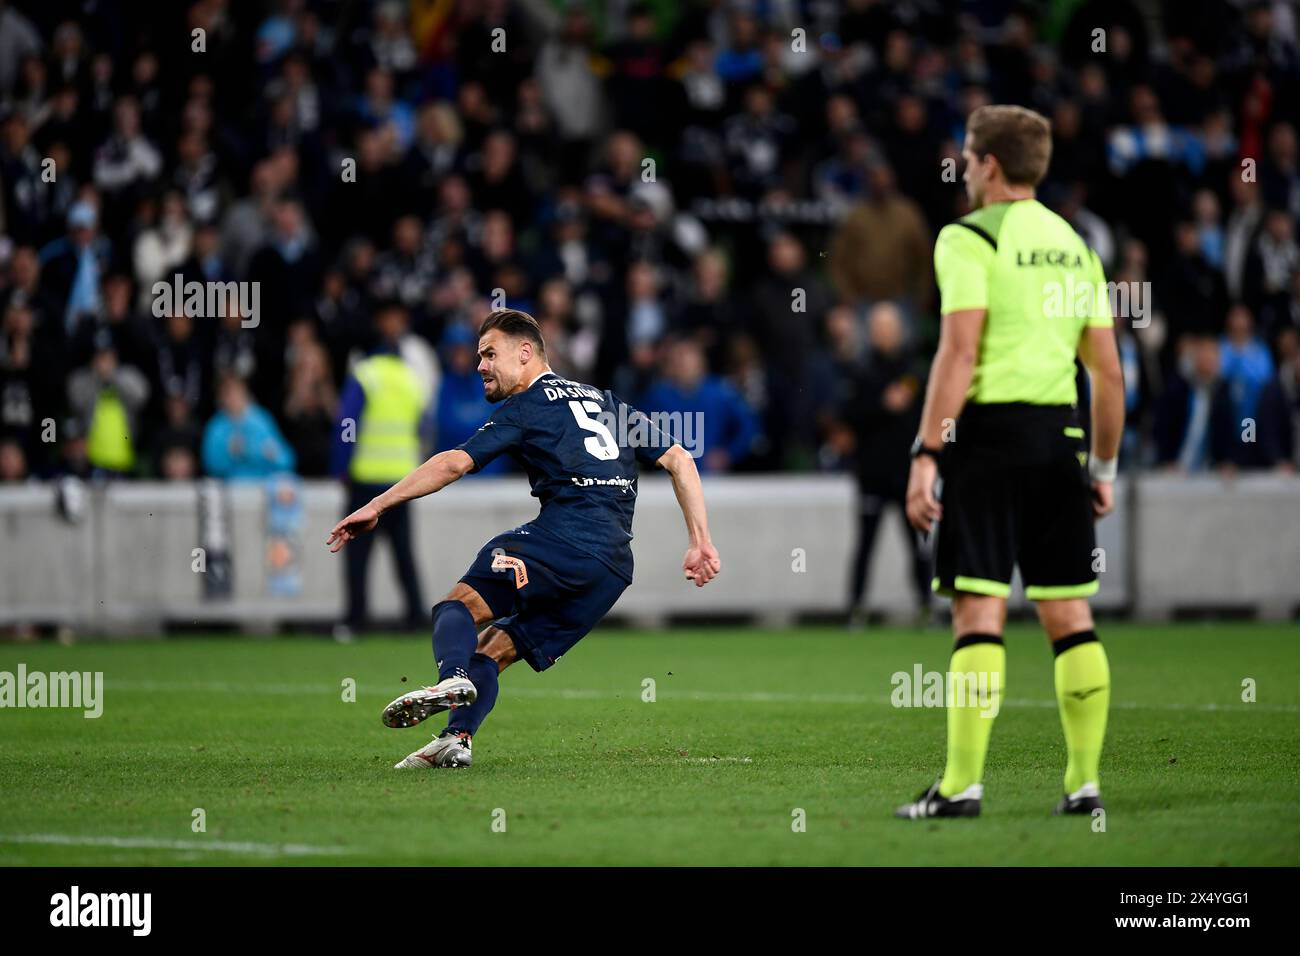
454,639
483,671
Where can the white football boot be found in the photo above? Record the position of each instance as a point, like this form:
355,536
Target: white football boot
417,705
450,749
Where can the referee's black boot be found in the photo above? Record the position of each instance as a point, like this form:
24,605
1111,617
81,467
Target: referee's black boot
931,804
1084,800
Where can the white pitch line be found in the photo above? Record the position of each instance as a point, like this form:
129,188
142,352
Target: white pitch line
150,843
747,697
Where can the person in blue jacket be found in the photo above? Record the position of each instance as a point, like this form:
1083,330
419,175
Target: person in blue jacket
242,441
462,409
703,411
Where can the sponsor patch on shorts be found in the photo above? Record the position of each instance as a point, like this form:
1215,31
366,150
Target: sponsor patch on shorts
502,562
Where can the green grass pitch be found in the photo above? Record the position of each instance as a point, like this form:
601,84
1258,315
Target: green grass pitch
747,728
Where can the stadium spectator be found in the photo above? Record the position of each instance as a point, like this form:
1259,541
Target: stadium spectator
1286,319
710,314
126,162
29,200
163,244
107,399
585,267
495,250
789,304
835,366
883,248
1272,264
205,262
406,272
433,155
242,441
636,83
496,182
1242,228
570,346
1194,426
882,409
1194,292
13,462
1246,364
1138,368
247,223
462,409
1280,170
182,367
21,381
571,88
197,176
1288,398
18,40
132,334
710,418
176,450
72,267
1259,400
758,143
310,403
1209,230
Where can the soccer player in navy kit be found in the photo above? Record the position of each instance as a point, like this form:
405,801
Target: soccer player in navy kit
542,586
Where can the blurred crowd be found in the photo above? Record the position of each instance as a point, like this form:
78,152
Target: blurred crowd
724,206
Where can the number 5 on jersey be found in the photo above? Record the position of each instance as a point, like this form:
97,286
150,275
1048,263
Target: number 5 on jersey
601,444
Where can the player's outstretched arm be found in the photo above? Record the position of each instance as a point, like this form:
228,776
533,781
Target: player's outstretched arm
702,563
434,475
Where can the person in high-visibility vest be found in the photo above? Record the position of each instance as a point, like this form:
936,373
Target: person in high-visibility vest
377,443
107,398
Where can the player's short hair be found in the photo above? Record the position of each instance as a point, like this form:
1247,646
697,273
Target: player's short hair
1020,139
516,324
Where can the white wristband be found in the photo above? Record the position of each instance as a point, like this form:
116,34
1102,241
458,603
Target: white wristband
1103,469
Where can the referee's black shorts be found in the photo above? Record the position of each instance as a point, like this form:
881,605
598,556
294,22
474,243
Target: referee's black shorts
1016,493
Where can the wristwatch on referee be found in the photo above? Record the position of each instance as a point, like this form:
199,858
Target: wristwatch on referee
919,448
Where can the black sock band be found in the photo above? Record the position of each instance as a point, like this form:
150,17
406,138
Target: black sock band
1072,640
966,640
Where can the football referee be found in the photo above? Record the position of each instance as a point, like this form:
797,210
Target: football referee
1022,295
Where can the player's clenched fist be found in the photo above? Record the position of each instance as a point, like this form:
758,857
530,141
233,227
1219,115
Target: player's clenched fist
702,564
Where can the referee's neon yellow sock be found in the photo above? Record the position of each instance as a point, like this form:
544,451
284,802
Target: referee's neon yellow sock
973,699
1083,695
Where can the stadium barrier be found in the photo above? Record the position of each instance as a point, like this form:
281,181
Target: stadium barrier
135,557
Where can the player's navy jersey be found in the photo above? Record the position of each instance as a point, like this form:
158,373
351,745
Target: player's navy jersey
580,448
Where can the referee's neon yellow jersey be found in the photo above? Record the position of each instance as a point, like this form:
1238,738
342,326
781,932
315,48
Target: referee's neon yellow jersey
1041,286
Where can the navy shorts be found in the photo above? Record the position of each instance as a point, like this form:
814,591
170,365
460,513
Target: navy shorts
543,592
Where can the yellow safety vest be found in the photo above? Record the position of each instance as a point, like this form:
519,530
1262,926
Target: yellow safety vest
388,443
108,445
